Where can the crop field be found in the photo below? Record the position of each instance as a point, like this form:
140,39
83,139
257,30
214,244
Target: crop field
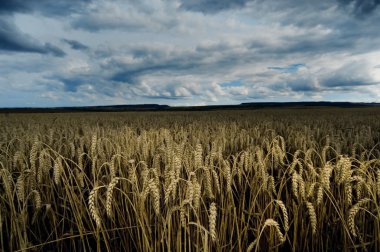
255,180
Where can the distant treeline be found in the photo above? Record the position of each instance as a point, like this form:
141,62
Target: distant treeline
157,107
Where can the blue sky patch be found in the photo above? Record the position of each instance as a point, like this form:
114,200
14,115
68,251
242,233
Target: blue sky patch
234,83
288,69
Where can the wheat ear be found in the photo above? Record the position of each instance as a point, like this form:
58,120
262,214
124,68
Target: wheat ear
352,213
153,187
284,213
109,194
313,216
273,223
58,170
37,199
378,182
250,246
93,210
20,187
212,221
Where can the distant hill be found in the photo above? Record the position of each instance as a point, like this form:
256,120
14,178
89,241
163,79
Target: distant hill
311,104
110,108
261,105
157,107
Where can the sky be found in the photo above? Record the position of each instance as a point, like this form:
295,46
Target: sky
187,52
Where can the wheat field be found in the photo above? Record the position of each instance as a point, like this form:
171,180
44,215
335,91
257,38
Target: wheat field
260,180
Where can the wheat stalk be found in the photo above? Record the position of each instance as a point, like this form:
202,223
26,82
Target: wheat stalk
198,156
189,191
378,182
112,166
320,194
20,187
58,170
94,141
301,186
348,193
109,195
228,176
153,188
311,190
43,165
352,213
284,213
93,210
273,223
295,184
216,180
270,184
344,165
37,199
212,221
326,174
313,217
7,180
171,188
182,212
208,180
33,155
197,193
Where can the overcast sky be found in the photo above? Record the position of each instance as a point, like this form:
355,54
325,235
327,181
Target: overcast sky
187,52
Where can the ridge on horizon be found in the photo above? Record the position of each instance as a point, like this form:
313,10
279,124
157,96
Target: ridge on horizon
164,107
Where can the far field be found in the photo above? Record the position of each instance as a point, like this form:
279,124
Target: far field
231,180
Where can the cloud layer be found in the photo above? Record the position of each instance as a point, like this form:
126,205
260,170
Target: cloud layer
188,52
11,39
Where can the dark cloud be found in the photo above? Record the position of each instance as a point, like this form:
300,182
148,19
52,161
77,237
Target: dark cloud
347,81
96,23
13,40
71,84
360,7
131,73
156,61
75,84
302,85
212,6
165,97
129,76
46,7
76,45
312,44
257,96
11,6
52,49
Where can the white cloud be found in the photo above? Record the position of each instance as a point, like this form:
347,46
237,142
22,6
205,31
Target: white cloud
159,52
